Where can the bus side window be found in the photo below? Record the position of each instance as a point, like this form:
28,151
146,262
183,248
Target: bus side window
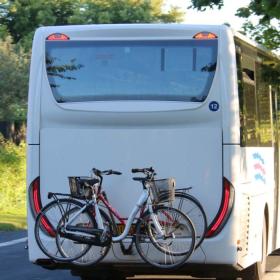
264,107
241,100
277,91
247,101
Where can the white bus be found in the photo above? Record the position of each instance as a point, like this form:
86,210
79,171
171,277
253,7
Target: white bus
197,102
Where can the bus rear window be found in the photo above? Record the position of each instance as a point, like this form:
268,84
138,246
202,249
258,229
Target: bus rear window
180,70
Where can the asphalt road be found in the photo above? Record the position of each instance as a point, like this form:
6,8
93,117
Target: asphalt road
14,264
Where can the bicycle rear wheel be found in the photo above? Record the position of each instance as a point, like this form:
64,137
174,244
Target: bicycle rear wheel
191,207
46,231
175,247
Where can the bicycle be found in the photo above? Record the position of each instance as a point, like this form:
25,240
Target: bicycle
164,236
184,202
191,207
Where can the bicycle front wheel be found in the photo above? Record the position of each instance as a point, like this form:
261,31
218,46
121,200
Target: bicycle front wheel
46,231
174,247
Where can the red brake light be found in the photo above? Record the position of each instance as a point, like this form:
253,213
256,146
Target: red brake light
47,227
224,212
205,36
35,199
36,206
57,37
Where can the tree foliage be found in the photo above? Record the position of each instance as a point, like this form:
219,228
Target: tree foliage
202,5
268,11
124,11
12,178
22,17
13,82
264,33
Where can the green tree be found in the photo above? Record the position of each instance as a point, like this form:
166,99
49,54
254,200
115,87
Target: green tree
3,28
13,82
125,11
264,32
268,11
22,17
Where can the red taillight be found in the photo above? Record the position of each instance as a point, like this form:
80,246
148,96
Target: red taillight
47,227
57,37
224,212
36,206
205,36
35,198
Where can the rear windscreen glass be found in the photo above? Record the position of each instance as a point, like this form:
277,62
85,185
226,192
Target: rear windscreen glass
180,70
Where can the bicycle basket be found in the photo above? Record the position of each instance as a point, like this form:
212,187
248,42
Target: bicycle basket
163,190
78,189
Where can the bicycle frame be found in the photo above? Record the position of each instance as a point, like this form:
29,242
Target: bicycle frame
143,199
112,210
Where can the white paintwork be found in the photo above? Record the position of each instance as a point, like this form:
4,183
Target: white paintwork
181,140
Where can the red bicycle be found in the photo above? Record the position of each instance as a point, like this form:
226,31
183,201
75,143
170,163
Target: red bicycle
84,226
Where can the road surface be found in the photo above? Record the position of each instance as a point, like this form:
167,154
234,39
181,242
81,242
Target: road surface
14,263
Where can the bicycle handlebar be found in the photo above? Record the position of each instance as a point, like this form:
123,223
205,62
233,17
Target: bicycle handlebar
143,170
148,171
137,170
98,172
113,172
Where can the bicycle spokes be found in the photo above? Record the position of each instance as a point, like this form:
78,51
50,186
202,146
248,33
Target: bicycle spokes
171,249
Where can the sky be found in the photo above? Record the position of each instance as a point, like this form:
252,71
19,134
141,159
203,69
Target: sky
212,16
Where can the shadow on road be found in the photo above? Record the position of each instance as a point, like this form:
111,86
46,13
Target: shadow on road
273,263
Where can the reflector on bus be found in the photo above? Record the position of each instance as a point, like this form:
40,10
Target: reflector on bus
205,35
57,37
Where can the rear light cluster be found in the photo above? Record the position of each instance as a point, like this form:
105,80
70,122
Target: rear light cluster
35,197
36,206
224,211
205,36
57,37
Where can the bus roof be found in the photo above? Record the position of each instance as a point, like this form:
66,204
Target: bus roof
173,30
153,26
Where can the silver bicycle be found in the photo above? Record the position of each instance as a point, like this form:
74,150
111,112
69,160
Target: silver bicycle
79,229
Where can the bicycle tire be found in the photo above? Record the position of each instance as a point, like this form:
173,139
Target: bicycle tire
161,255
168,216
96,253
191,207
46,229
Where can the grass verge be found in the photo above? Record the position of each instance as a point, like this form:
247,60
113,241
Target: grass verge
12,185
9,222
